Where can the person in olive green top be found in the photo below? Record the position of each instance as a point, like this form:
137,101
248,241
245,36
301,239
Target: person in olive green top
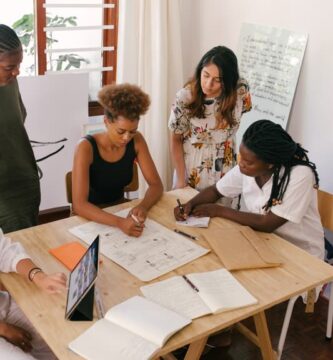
19,182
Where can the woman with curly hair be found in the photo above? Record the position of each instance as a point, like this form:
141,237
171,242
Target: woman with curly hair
103,162
205,118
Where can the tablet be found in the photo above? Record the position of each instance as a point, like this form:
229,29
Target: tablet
81,281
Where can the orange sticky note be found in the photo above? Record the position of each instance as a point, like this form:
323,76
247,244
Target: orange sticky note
69,254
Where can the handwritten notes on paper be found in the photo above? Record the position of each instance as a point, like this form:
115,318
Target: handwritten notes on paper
193,221
157,251
270,59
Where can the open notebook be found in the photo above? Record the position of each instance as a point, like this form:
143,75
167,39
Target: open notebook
133,330
200,294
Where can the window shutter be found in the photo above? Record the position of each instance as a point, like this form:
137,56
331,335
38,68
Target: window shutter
78,37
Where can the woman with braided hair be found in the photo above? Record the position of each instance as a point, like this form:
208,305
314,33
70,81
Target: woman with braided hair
278,184
19,183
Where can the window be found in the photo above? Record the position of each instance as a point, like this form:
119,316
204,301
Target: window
74,36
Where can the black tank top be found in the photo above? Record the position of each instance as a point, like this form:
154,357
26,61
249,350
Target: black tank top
108,179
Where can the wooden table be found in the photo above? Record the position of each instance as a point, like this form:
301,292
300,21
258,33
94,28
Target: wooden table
271,286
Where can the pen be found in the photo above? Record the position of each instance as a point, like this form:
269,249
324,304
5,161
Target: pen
136,220
185,234
99,304
190,283
181,207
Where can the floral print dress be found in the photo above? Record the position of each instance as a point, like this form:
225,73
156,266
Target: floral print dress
209,152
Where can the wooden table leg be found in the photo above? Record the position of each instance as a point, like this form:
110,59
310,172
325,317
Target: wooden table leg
195,349
263,336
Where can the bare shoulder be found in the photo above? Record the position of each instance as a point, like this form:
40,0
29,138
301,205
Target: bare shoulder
83,145
138,137
84,150
139,141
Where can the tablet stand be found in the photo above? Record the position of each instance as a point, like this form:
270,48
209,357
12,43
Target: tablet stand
85,308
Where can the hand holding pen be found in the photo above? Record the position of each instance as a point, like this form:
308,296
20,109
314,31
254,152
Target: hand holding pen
130,226
133,224
136,220
181,208
139,213
182,211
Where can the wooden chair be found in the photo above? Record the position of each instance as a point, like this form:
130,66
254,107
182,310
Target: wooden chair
132,186
325,207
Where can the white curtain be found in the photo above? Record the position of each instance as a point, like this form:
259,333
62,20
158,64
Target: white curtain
150,55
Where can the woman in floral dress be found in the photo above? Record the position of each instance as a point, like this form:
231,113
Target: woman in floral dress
205,118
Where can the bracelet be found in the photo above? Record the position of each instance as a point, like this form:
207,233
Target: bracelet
33,272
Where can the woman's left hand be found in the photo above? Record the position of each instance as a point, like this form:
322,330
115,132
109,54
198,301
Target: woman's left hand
139,212
52,284
211,210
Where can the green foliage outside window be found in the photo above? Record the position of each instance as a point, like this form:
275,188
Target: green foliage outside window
25,28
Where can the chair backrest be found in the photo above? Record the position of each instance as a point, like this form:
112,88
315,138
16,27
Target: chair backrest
132,186
69,187
325,207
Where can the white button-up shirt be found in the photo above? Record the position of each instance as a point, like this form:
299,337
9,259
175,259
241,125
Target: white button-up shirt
299,205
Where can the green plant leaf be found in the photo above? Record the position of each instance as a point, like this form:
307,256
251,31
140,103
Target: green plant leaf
25,30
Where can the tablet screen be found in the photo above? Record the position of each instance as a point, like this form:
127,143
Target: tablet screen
82,277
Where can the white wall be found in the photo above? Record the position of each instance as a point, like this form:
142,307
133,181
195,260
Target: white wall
207,23
57,108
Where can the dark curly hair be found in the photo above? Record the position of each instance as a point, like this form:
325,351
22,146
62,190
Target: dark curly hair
273,145
125,100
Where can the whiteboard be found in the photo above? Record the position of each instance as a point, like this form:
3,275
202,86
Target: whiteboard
270,60
57,107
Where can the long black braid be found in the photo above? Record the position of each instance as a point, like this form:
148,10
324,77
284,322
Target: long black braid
273,145
9,41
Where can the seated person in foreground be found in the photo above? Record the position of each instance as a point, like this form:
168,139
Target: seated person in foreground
18,338
278,184
103,162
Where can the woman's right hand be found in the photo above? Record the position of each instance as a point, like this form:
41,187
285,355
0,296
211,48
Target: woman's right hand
182,215
130,227
16,335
